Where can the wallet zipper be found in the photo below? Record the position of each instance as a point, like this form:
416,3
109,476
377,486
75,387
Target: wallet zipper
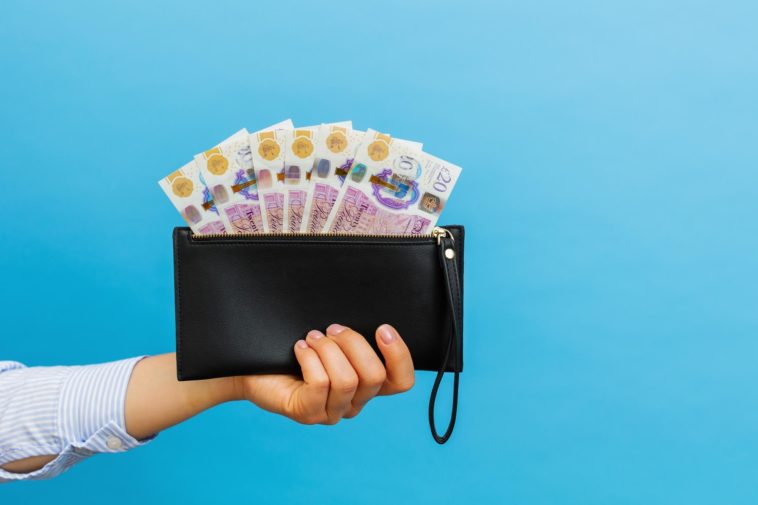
437,233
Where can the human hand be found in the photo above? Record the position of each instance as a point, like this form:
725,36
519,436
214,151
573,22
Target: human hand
341,373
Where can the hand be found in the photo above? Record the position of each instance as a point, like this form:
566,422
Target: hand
341,373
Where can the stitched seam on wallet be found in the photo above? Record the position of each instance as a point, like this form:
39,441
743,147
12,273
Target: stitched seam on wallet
461,240
178,291
457,304
460,273
459,314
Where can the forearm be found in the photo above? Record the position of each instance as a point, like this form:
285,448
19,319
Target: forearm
156,400
151,400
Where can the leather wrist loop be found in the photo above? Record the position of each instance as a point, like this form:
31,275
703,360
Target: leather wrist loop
448,262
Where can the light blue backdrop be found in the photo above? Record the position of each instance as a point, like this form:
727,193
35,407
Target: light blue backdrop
610,153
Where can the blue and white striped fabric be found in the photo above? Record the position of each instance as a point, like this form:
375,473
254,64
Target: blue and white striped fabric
74,412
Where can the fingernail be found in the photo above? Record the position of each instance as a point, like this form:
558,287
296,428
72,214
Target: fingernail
387,334
315,334
334,329
302,344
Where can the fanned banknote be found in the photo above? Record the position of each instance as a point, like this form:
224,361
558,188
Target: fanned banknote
318,179
299,155
333,155
191,197
393,187
267,147
228,172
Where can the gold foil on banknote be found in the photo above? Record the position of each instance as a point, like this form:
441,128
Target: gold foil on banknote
182,187
217,163
302,146
379,150
268,148
336,141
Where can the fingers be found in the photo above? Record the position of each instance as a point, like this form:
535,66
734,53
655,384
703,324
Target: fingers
343,379
341,373
308,404
397,361
367,365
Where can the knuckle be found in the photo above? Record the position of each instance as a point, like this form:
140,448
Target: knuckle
346,386
307,420
405,384
375,377
313,418
331,421
345,335
352,413
322,383
316,343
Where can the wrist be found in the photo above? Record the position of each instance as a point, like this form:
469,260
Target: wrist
211,392
237,388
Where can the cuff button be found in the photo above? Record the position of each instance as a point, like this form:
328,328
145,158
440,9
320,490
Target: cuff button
113,442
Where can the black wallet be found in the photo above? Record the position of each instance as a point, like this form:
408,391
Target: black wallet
242,301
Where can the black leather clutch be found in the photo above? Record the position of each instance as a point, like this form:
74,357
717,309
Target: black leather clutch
242,301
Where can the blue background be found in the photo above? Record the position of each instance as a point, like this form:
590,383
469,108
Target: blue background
609,192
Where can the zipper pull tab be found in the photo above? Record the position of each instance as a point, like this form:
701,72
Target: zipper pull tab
442,235
439,233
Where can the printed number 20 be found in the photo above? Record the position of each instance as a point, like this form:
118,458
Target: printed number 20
443,177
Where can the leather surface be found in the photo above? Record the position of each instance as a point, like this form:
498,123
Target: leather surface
243,302
454,293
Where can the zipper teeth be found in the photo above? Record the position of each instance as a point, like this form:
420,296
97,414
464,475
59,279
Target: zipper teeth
433,234
309,235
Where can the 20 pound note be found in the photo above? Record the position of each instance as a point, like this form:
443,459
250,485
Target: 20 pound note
333,156
267,148
301,145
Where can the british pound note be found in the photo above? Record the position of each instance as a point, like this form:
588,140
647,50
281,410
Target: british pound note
267,147
299,156
228,171
188,192
393,187
333,155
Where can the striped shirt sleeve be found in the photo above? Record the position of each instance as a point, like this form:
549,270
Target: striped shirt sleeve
72,412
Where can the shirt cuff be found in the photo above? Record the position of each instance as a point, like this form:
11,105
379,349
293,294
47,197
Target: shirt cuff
86,405
92,408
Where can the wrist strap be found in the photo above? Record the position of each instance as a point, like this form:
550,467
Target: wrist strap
449,264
